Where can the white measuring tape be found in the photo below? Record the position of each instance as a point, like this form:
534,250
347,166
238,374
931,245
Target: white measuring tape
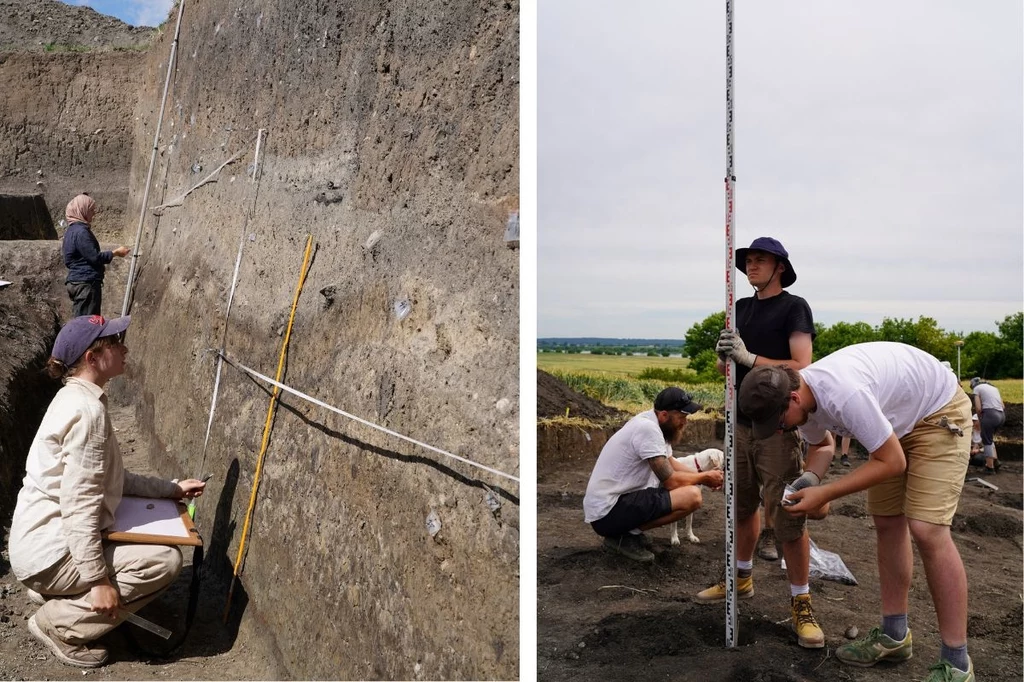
731,633
324,405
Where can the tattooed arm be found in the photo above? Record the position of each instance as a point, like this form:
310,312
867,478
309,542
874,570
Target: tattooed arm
672,478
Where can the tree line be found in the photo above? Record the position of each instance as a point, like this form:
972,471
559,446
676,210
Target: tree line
984,354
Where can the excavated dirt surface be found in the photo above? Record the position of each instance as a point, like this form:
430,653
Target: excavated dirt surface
210,651
553,397
601,616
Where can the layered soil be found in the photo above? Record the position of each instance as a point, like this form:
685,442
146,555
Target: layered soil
602,616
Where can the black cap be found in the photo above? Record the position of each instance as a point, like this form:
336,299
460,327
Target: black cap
674,398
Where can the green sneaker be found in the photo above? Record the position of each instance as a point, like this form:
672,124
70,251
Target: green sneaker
944,672
875,647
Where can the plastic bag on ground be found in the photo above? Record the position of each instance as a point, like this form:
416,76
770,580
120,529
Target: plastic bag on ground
827,566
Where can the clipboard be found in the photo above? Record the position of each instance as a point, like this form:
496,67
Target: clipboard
152,521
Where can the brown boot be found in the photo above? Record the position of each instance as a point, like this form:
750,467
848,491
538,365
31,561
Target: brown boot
80,655
766,548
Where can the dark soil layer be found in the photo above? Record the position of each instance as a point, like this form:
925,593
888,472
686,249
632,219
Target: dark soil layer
601,616
554,397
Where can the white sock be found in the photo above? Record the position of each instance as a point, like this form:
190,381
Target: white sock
794,590
636,531
748,565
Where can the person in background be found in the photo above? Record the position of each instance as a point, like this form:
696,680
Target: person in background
977,459
74,480
772,327
619,505
85,262
988,404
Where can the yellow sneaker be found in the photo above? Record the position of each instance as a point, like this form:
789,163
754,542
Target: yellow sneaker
808,632
716,593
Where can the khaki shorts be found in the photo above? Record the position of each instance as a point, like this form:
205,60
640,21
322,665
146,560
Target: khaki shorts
764,467
937,458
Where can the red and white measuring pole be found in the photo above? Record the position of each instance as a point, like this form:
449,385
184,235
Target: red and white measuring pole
731,633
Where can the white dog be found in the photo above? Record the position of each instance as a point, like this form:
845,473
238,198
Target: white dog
705,460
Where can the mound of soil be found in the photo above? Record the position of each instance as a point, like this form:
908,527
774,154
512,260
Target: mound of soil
38,25
554,396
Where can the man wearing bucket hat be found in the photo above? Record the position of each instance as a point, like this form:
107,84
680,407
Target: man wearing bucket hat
619,505
910,413
773,327
988,403
74,481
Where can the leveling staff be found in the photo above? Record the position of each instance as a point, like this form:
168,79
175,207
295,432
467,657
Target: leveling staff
911,414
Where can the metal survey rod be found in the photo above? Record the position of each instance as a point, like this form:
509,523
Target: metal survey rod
152,162
731,635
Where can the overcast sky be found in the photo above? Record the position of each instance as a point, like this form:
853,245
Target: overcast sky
880,141
134,12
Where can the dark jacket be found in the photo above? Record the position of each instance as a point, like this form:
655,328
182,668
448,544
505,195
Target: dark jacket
82,254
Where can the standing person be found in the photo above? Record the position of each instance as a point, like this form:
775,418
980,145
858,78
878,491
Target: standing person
82,256
619,505
913,418
844,451
774,327
988,403
74,480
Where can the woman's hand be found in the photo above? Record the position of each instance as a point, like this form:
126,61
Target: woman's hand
105,599
190,488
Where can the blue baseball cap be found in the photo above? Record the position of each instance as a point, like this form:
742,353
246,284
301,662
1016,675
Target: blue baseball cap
77,335
774,247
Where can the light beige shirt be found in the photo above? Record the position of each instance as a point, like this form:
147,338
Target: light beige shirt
74,480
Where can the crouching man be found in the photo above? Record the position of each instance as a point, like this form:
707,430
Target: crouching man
910,413
618,504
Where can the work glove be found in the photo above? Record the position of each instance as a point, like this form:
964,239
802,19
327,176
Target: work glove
806,480
730,345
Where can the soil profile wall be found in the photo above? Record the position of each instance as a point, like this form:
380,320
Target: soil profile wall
392,139
66,127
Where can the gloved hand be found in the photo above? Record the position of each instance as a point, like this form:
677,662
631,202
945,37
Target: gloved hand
730,345
806,480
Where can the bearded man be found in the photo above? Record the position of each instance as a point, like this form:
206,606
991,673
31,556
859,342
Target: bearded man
619,505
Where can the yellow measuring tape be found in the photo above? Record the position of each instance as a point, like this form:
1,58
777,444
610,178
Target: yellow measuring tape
266,427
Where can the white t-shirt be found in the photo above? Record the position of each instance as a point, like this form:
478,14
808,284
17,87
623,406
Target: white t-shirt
871,390
990,398
622,466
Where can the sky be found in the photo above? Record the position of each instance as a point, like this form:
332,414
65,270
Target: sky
880,142
134,12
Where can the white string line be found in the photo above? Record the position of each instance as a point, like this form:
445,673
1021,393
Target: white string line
231,296
324,405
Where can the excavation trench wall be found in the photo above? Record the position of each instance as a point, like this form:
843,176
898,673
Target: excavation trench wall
392,139
66,122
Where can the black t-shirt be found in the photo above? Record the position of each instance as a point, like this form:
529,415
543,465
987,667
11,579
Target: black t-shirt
765,326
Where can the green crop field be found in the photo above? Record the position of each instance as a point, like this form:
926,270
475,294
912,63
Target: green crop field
624,366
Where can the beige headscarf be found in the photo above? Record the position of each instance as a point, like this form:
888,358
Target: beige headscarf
81,209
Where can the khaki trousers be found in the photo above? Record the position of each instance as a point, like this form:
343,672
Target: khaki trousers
138,572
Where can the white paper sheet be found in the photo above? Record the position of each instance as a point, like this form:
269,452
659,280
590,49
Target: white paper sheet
149,515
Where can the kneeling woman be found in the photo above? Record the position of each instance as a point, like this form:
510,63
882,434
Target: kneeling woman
74,481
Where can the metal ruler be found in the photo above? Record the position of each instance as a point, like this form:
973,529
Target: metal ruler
146,624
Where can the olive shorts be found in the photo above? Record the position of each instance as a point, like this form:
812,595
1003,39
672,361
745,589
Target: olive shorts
763,468
937,458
